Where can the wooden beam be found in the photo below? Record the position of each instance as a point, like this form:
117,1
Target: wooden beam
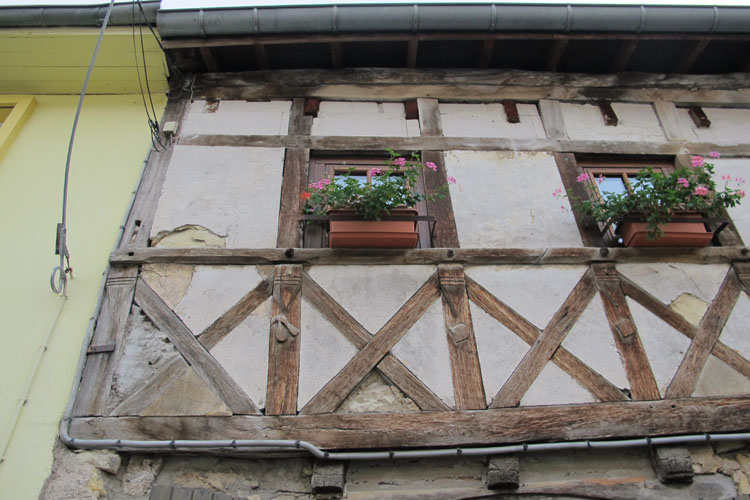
545,346
670,122
569,171
302,114
468,388
209,59
442,428
699,117
429,117
709,329
488,48
336,390
312,106
411,109
355,333
284,341
204,364
622,58
511,112
261,57
476,256
337,59
552,119
690,56
145,394
293,184
609,115
445,231
556,53
97,376
642,382
743,274
411,52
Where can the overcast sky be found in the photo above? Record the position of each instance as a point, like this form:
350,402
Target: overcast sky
177,4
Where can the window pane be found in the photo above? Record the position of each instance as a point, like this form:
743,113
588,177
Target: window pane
611,185
340,179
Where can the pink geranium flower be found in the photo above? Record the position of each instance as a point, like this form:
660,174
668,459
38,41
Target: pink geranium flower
431,166
683,182
714,154
701,191
697,161
450,179
375,171
557,192
400,161
583,177
742,193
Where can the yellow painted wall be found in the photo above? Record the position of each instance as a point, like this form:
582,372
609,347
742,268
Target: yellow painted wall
112,141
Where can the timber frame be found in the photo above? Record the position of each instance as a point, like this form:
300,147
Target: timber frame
477,418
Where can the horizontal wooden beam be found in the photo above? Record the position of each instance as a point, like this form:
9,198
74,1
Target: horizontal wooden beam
475,256
441,428
184,43
426,143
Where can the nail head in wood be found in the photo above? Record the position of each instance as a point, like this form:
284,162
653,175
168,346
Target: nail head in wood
610,117
699,117
312,106
503,473
411,110
328,477
672,464
511,112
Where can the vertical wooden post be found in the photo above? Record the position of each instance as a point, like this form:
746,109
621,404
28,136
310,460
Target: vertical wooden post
462,345
642,382
284,341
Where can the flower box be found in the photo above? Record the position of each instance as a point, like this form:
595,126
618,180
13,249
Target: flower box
358,233
676,233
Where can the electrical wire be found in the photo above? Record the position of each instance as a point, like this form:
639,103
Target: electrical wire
59,278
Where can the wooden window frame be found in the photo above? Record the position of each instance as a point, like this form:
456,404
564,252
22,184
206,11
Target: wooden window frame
326,166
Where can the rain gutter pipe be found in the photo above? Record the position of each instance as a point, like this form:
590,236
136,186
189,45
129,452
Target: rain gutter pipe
79,15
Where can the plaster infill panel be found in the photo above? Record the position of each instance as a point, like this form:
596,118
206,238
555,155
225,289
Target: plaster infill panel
636,122
490,120
504,199
424,350
668,281
534,292
237,118
232,192
739,170
555,387
728,126
736,332
378,119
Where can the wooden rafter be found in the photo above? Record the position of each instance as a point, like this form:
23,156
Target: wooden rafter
261,57
623,56
337,58
690,56
556,53
209,59
412,49
485,57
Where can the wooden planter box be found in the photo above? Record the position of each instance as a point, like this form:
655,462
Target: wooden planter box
676,233
373,233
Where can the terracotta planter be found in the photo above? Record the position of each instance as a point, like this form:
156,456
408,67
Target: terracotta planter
676,234
373,233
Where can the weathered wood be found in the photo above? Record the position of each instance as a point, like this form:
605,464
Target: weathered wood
337,59
569,171
160,492
670,122
172,371
709,329
488,48
293,185
466,373
284,341
622,58
679,323
355,333
327,477
475,256
429,117
555,54
261,57
209,59
511,112
434,143
672,464
609,115
412,50
545,346
204,364
442,428
312,106
300,119
337,389
110,328
138,226
690,56
595,383
552,119
411,109
641,377
445,233
699,117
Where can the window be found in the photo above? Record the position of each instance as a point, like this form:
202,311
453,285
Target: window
14,111
357,167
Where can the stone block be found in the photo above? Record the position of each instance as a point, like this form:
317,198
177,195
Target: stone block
672,464
503,473
328,477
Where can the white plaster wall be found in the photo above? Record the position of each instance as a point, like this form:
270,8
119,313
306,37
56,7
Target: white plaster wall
555,387
737,168
490,120
379,119
636,122
233,192
668,281
728,126
237,118
504,199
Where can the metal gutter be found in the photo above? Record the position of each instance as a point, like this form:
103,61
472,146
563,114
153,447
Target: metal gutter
78,15
417,18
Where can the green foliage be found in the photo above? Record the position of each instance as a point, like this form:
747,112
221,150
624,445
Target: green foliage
657,196
392,186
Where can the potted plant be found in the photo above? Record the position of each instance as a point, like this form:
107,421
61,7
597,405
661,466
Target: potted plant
648,212
387,191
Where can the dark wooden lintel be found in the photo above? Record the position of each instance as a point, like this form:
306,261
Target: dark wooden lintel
411,109
511,112
442,428
699,117
609,115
